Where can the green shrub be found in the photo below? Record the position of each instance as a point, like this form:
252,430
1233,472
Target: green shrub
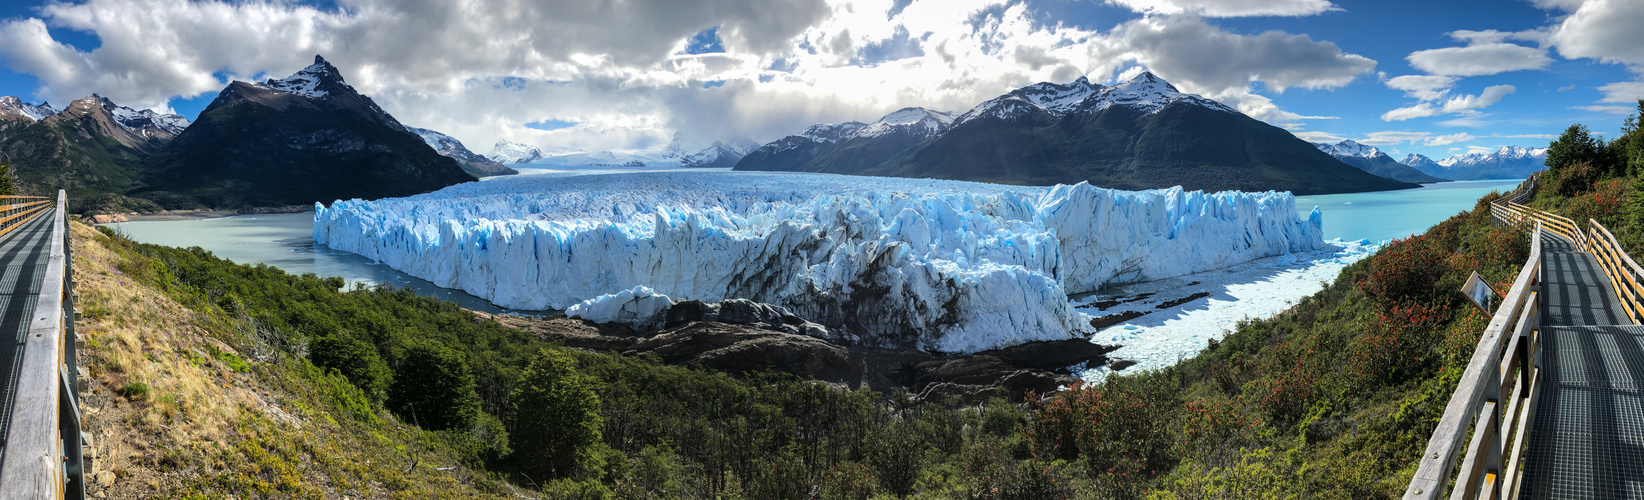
135,390
555,418
356,359
433,388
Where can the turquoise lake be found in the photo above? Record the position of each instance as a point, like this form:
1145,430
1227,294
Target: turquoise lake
286,241
1389,215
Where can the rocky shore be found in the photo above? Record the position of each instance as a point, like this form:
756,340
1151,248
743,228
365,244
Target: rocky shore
740,336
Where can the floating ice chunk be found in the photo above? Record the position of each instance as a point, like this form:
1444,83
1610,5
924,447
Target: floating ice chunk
638,307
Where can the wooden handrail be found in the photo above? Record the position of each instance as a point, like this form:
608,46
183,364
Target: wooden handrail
1505,358
1625,275
43,445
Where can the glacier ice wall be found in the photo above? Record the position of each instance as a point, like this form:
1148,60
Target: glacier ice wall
936,265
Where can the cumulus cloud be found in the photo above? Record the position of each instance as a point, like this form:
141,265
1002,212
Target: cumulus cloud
1423,87
1391,137
1599,29
1187,50
482,69
1450,139
1229,8
1458,104
1600,108
1626,92
1479,59
1316,136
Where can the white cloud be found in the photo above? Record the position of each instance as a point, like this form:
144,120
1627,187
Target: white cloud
1606,30
1423,87
1479,59
1458,104
1229,8
1450,139
1314,136
1391,137
1623,92
482,69
1616,110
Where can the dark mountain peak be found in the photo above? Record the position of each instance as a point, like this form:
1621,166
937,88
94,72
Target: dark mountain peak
318,80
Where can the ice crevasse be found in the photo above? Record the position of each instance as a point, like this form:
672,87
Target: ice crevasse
936,265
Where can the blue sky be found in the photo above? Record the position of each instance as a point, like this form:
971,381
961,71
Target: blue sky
1475,75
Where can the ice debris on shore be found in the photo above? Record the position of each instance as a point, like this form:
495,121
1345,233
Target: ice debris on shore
936,265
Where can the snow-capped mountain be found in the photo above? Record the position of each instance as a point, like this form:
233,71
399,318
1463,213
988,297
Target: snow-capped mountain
1421,162
1142,133
719,154
1372,159
831,132
914,121
307,82
793,152
1505,154
146,122
307,138
1349,148
509,152
1509,162
13,106
1144,93
473,163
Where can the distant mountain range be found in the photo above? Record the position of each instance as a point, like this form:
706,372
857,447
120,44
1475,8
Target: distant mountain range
91,148
717,155
471,162
1509,162
296,140
1139,134
1371,159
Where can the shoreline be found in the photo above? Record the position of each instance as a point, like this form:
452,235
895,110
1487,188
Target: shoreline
201,214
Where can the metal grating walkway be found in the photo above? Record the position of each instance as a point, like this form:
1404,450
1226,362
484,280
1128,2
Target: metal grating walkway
23,255
1587,439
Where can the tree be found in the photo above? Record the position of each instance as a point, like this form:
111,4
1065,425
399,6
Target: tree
1575,145
555,417
356,359
434,388
8,184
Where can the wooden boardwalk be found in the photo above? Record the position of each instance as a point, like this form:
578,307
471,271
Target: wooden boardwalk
1587,439
23,255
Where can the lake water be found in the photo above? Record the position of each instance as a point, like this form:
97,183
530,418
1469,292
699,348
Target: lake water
1389,215
286,241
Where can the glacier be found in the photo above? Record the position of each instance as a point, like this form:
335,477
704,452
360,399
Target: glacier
942,266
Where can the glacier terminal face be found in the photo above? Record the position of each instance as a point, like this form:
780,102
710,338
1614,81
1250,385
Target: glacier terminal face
935,265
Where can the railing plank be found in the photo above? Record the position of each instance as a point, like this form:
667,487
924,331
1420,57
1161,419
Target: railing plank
33,462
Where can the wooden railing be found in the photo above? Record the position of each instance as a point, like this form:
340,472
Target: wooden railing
1624,274
16,210
43,455
1505,362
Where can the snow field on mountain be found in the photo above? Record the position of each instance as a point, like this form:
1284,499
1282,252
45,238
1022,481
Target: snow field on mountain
938,265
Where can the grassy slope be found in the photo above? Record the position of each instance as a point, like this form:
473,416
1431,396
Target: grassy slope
181,405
